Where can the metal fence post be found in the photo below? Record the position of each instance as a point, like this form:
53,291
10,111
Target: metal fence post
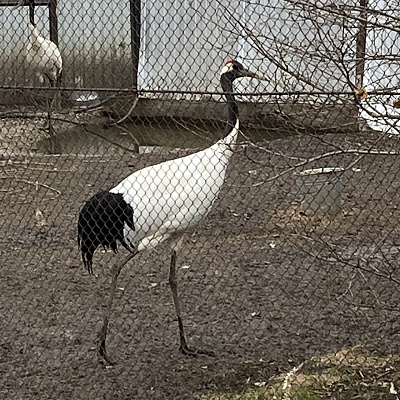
135,20
361,43
53,21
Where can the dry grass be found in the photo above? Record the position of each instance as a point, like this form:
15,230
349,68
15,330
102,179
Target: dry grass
359,372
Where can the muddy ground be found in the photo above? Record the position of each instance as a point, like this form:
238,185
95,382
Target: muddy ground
262,285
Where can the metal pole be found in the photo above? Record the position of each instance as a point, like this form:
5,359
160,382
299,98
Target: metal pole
31,4
53,21
361,44
135,19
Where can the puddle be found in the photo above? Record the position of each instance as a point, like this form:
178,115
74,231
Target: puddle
145,136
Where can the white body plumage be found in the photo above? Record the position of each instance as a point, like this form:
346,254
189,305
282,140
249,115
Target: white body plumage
174,196
43,56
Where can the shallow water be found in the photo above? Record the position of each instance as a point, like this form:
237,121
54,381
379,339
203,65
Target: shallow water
142,137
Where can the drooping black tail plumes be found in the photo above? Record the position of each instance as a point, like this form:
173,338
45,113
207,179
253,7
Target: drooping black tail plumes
101,222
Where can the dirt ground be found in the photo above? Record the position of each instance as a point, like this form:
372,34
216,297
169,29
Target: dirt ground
262,285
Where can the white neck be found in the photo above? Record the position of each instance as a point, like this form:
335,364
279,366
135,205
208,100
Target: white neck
34,31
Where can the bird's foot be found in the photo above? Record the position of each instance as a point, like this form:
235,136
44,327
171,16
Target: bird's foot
102,354
193,352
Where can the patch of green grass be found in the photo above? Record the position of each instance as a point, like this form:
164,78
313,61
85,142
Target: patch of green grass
263,394
360,372
304,394
248,394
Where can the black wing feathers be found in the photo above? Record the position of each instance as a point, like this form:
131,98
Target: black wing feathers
101,222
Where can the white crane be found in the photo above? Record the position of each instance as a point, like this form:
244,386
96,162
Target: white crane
42,55
160,202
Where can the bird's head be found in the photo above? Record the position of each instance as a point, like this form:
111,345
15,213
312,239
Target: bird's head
19,4
234,69
31,4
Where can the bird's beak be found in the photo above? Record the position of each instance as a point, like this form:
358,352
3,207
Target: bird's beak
19,5
250,74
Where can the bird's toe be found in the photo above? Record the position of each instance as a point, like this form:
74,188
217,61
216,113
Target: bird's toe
193,352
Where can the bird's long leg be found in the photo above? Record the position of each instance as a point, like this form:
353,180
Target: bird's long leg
174,288
102,335
53,140
54,95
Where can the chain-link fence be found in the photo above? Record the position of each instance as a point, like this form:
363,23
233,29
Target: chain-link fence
271,246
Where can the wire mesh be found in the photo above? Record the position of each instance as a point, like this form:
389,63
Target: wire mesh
275,250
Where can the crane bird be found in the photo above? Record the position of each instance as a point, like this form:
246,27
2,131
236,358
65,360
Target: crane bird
42,55
160,202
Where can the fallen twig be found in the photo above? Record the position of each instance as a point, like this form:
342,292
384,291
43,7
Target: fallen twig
36,184
330,154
